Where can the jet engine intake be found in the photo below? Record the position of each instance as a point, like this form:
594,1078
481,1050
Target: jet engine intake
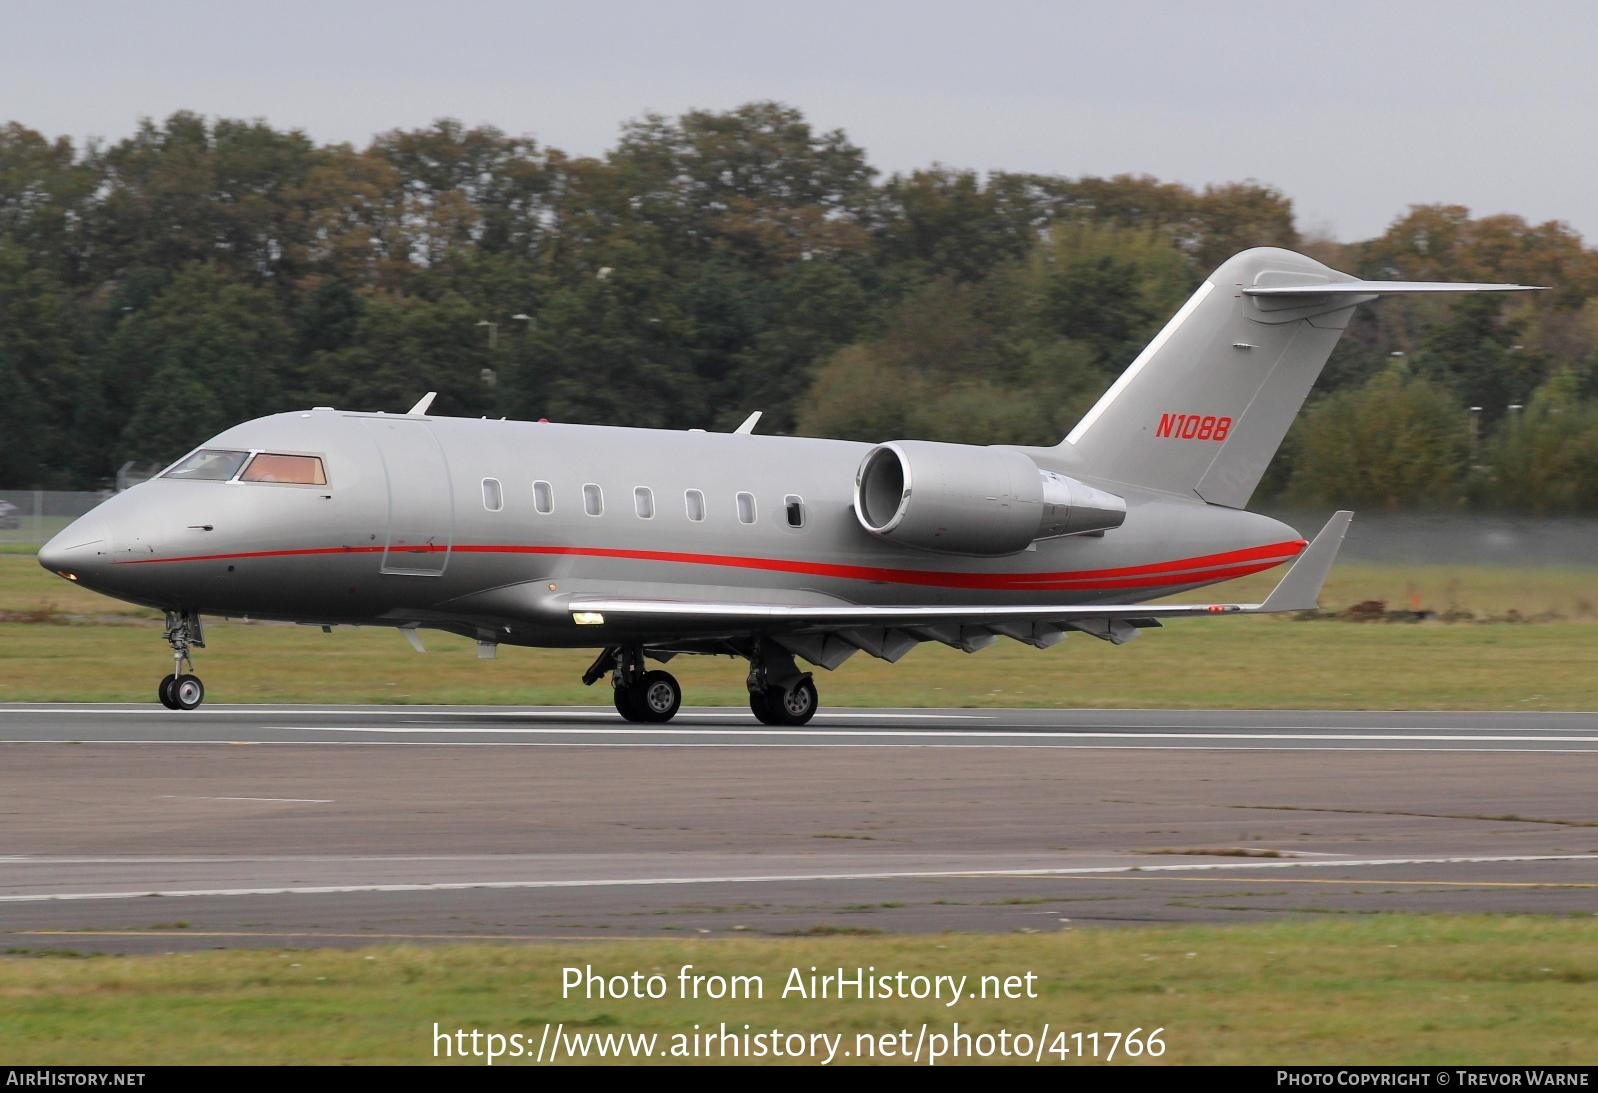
963,499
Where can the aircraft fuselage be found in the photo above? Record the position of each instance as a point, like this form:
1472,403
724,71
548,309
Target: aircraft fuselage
438,522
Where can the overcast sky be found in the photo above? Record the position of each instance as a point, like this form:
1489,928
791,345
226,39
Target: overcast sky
1354,109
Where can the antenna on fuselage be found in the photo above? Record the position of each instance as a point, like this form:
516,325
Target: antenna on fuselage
422,404
748,427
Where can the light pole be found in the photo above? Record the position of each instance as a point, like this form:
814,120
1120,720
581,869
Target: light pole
523,317
493,333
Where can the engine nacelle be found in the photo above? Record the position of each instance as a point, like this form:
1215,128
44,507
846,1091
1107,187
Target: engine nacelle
962,499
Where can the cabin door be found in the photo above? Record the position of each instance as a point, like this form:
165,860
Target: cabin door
421,504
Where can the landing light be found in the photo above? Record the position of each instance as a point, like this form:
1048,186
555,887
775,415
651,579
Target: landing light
68,576
588,618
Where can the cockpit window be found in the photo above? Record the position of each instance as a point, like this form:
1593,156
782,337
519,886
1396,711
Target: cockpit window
298,470
208,465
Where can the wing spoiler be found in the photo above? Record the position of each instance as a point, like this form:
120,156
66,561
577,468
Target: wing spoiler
1298,590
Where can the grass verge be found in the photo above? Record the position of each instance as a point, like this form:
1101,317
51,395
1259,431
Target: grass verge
1382,989
63,643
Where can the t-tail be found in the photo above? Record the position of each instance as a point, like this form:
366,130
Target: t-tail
1204,407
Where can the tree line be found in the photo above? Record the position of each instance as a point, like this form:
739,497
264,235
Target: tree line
159,288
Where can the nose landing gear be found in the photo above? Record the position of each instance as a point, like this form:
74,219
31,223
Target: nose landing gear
182,690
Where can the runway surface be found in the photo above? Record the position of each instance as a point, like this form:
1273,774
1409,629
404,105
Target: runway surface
132,828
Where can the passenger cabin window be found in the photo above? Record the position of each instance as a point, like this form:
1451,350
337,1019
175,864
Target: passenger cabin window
746,508
493,495
208,465
795,507
297,470
593,500
695,502
543,498
644,502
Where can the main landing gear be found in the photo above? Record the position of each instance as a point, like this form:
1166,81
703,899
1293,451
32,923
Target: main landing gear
779,693
182,690
794,705
648,697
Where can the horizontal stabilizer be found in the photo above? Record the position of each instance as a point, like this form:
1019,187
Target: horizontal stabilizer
1381,288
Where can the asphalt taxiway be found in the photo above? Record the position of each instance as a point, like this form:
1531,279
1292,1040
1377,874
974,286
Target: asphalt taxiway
132,828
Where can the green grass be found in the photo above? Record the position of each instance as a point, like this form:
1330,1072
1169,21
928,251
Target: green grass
1378,989
64,643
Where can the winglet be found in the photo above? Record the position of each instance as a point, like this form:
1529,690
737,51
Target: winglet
1300,586
422,405
748,427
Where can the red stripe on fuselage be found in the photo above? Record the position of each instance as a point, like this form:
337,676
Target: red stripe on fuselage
298,552
1202,568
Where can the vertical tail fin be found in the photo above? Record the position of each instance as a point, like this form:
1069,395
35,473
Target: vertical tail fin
1203,409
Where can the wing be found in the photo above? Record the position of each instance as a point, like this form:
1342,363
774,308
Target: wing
891,631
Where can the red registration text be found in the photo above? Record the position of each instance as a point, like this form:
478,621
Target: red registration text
1193,427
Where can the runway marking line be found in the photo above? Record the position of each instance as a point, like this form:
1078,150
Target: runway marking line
975,734
730,745
256,709
413,714
1375,881
945,874
266,800
543,712
315,934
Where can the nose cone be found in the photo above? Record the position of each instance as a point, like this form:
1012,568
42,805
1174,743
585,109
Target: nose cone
83,546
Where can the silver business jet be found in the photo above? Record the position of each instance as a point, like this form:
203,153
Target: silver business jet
650,544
